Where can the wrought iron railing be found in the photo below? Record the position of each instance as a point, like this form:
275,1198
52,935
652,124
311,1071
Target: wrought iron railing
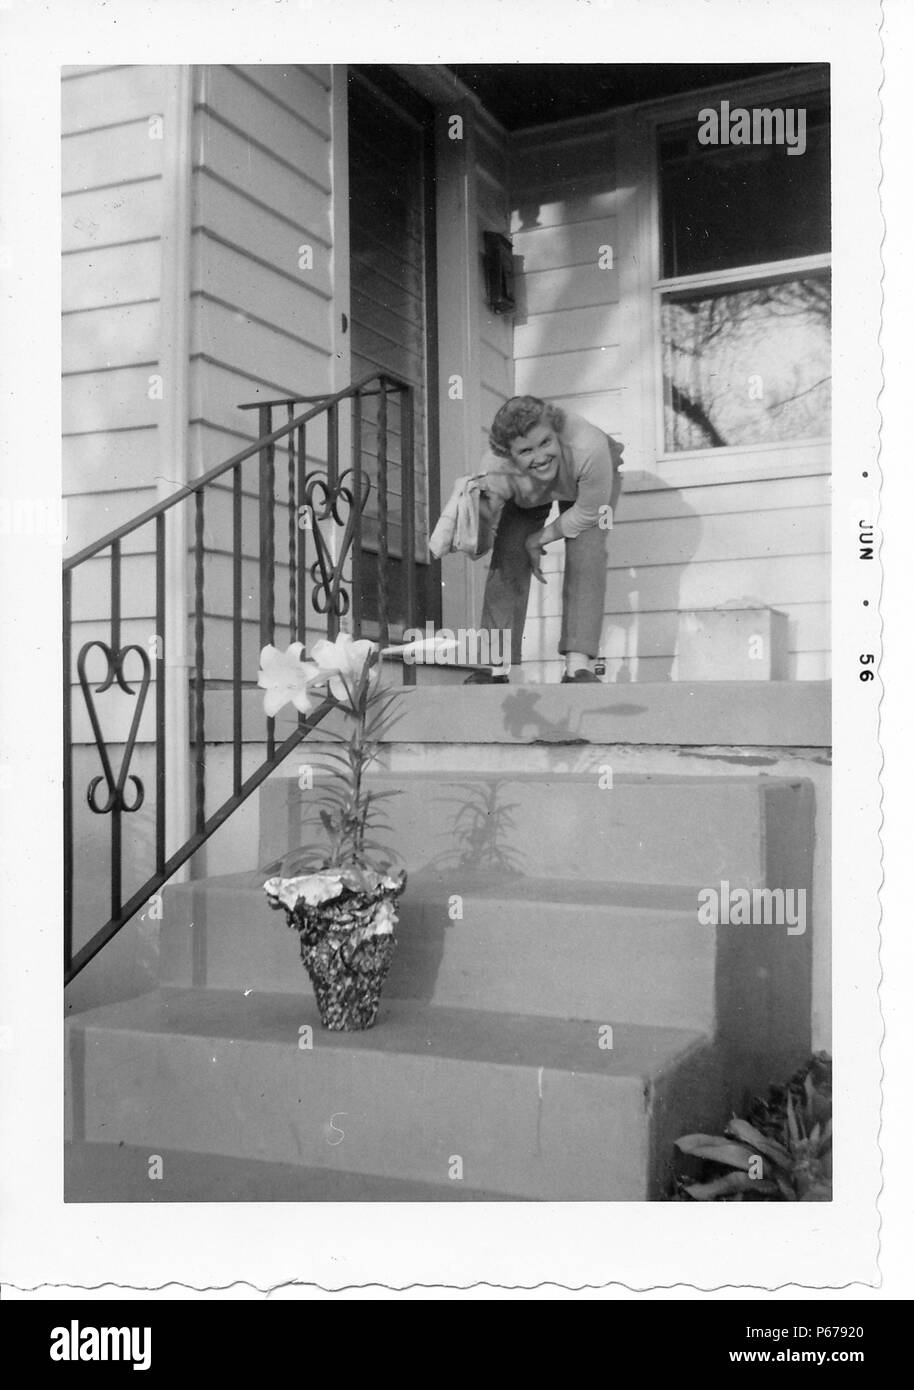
321,513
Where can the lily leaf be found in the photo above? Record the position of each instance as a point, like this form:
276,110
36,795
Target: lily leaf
718,1150
729,1184
793,1128
770,1148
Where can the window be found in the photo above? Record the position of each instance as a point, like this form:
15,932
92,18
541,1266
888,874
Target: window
745,297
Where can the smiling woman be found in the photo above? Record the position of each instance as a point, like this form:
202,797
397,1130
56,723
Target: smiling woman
538,455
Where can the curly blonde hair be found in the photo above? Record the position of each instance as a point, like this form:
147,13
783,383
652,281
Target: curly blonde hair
516,417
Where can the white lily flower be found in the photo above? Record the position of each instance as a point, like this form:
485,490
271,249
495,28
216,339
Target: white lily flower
342,663
285,677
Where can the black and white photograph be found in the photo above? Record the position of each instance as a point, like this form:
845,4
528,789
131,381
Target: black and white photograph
454,461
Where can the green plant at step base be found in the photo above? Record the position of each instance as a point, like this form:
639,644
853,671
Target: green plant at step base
785,1156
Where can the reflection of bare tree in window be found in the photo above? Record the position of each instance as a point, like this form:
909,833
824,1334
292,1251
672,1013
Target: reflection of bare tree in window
747,366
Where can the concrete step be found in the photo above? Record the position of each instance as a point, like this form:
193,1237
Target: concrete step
218,705
522,1106
776,714
562,949
121,1173
651,830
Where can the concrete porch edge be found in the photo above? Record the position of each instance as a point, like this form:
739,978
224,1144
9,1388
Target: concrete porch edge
778,714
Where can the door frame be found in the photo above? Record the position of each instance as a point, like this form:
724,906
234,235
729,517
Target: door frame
399,92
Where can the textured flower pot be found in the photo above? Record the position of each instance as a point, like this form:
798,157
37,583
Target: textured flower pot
346,939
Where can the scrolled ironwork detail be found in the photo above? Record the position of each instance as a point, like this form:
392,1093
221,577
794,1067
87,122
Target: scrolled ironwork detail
116,801
328,595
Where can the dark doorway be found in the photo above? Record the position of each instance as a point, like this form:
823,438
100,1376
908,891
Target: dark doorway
393,313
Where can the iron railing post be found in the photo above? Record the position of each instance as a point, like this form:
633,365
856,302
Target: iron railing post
115,648
160,668
267,503
383,604
199,687
303,521
267,551
67,771
408,518
357,570
237,534
333,474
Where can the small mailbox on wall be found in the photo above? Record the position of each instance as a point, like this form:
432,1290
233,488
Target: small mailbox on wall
499,273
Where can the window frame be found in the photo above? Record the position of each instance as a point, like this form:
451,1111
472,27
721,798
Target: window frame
691,466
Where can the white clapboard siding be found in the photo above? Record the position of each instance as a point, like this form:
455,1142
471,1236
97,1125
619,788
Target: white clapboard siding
253,348
578,243
571,287
565,374
260,320
534,208
92,590
110,155
116,336
110,216
91,517
118,399
115,96
294,307
763,495
111,460
240,162
211,445
127,274
493,204
730,536
567,330
277,126
774,580
601,408
260,237
217,392
302,89
219,649
134,632
658,632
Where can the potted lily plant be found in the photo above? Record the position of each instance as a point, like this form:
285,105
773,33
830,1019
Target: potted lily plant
342,898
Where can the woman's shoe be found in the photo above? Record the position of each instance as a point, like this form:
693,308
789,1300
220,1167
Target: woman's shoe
485,678
580,677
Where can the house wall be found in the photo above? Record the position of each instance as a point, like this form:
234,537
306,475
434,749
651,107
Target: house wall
493,214
111,230
696,532
494,363
261,309
260,326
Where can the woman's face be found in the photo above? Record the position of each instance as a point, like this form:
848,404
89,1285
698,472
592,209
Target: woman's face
538,452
